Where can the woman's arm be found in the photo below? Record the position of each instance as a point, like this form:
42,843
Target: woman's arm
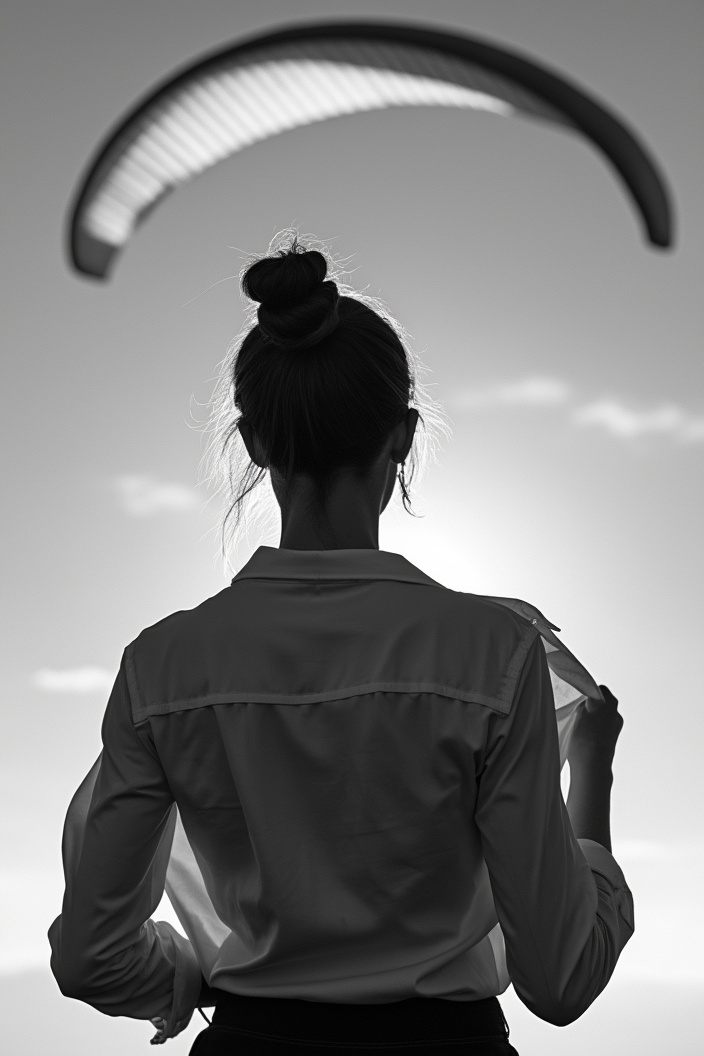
589,801
591,753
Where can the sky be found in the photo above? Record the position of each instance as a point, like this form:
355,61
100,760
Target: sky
565,350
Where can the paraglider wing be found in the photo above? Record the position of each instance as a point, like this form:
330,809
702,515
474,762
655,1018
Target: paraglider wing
304,73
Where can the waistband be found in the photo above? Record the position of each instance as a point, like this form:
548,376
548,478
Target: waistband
414,1019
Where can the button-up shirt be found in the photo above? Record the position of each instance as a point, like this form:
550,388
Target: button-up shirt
346,776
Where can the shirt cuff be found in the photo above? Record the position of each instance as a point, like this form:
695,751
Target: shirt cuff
187,980
602,861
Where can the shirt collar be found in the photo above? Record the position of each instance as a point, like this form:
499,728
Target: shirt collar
271,562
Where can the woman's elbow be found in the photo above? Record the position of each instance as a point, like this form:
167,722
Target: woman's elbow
71,978
558,1014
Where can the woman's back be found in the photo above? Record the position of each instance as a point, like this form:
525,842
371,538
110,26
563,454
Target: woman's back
366,769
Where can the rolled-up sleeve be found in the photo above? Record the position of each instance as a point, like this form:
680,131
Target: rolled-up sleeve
116,843
563,904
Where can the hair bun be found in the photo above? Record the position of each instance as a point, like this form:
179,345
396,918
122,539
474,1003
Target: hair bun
294,297
282,281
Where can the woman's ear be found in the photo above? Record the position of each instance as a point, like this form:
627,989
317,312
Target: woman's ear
410,421
252,444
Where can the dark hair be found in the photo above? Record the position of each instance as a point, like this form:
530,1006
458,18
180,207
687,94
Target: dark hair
322,377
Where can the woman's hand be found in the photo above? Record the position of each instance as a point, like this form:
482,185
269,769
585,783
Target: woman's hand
596,730
160,1025
163,1032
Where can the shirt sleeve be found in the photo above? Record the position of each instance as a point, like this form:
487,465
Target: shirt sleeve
563,904
116,843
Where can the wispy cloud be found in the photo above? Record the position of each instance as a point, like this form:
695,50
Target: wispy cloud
609,414
143,496
535,391
74,679
667,420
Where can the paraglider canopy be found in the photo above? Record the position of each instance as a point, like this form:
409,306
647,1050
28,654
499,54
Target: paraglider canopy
294,76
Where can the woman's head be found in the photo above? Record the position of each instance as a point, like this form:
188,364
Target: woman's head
321,379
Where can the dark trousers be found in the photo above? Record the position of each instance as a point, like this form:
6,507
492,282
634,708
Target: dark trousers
263,1026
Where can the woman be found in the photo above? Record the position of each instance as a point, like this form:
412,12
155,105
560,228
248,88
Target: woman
370,842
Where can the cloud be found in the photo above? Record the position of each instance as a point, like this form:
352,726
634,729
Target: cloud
534,391
621,421
74,680
607,413
142,496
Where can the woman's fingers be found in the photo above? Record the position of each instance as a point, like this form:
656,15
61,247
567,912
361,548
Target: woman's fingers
160,1024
